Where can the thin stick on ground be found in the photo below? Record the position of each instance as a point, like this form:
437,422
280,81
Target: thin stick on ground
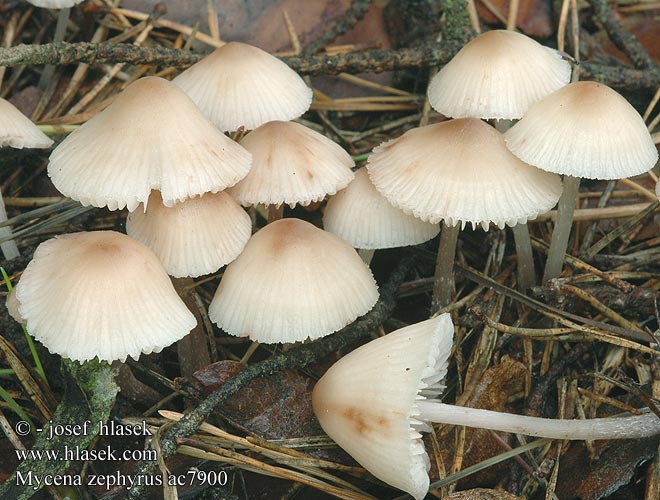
375,60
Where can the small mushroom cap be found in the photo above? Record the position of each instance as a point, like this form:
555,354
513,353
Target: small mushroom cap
18,131
293,281
100,294
585,129
194,237
291,164
499,74
54,4
239,85
151,137
363,217
366,401
460,171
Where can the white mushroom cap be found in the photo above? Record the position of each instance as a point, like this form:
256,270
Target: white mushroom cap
499,74
194,237
100,294
585,129
54,4
366,401
291,164
460,171
363,217
239,85
18,131
293,281
151,137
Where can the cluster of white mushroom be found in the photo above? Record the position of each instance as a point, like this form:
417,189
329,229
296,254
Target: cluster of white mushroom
463,171
103,294
159,150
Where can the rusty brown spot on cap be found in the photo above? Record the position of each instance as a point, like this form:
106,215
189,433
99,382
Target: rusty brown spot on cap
288,233
363,422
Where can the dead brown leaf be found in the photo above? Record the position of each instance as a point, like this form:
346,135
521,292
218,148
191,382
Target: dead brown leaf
579,478
497,385
275,407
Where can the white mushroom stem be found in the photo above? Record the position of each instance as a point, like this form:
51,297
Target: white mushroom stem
444,267
9,248
192,349
526,273
632,427
562,229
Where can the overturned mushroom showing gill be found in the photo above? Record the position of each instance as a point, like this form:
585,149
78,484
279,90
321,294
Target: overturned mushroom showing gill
375,401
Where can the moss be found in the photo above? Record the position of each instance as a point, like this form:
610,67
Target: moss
89,396
457,27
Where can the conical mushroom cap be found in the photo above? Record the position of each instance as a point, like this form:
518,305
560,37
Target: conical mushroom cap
293,281
151,137
291,164
499,74
194,237
363,217
460,171
585,129
18,131
100,294
239,85
366,401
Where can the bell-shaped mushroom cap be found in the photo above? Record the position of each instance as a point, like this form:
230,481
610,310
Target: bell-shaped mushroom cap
55,4
194,237
100,294
585,129
363,217
18,131
366,401
460,171
291,164
499,74
293,281
151,137
239,85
